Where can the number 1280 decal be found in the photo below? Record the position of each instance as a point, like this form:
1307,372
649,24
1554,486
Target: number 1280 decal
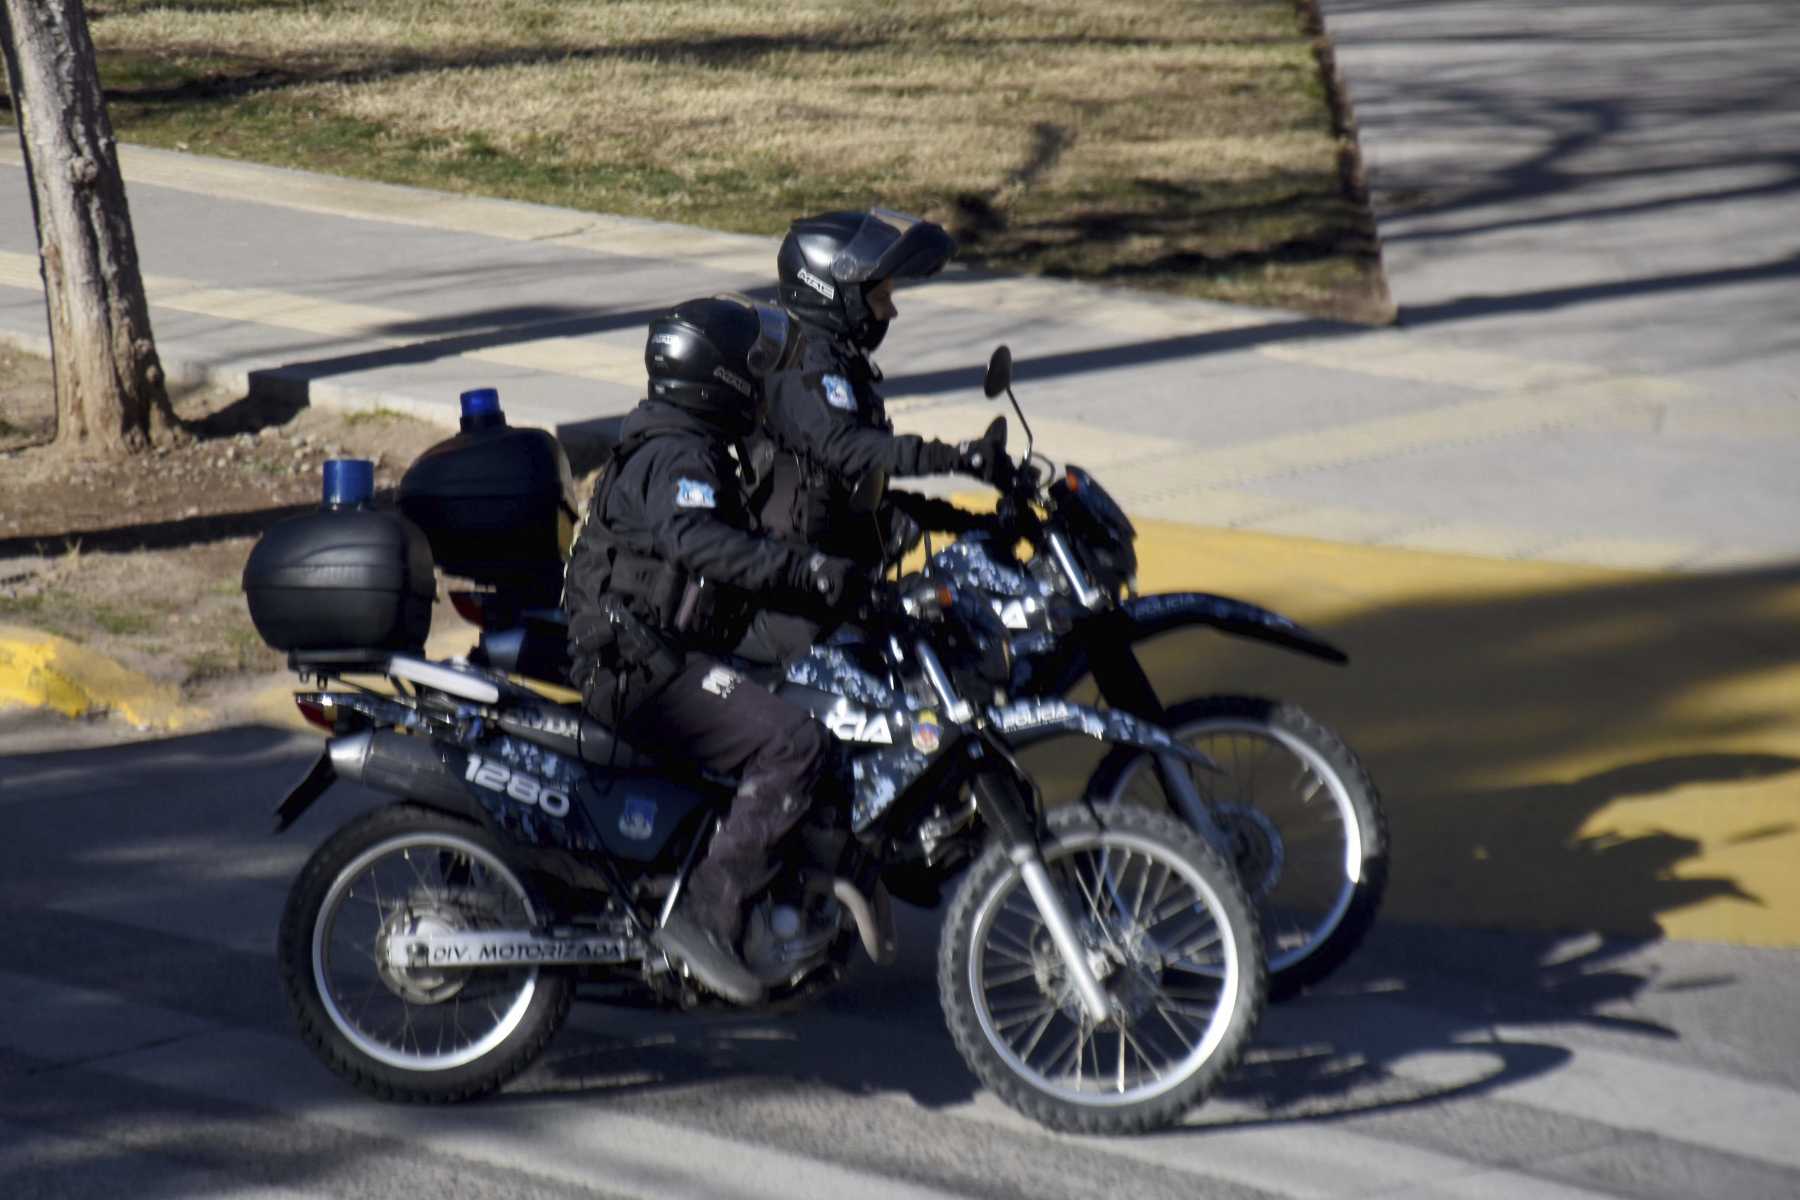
487,773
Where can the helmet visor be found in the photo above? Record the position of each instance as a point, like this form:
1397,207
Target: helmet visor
892,243
772,332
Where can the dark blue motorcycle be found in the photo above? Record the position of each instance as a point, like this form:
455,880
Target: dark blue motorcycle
1100,969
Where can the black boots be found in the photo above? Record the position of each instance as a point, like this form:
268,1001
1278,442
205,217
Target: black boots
709,956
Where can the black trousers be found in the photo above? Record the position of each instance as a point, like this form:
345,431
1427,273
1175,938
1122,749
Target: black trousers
712,715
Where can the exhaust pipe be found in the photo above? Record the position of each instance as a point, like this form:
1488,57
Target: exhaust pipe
400,763
874,922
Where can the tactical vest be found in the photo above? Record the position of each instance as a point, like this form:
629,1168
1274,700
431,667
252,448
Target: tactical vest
630,584
799,500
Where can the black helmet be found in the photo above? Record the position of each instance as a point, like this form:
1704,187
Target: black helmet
710,357
829,262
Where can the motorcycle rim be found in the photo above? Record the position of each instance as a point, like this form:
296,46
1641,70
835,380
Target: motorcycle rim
1296,836
1158,933
432,1019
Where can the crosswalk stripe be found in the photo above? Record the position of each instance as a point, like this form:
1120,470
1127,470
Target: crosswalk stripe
579,1141
573,1140
1326,1161
35,1162
565,1139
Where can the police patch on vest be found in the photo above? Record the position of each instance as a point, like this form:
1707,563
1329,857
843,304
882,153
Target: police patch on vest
816,284
691,493
838,393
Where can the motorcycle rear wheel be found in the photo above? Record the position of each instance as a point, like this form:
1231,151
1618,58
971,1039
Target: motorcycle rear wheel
429,1035
1305,820
1173,940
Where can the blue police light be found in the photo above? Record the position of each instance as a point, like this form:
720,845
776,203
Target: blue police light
481,409
349,482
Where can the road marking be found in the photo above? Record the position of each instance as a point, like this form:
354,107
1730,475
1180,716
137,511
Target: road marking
1327,1161
576,1140
1625,740
571,1140
1702,1108
40,670
45,1163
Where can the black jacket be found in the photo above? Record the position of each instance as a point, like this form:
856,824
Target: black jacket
673,496
829,429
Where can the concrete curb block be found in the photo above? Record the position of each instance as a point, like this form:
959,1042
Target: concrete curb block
181,370
40,670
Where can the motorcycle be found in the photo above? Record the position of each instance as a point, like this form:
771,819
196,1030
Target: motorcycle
1100,969
1297,813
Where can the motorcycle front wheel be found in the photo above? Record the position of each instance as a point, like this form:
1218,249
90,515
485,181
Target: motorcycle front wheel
1303,818
1169,934
428,1034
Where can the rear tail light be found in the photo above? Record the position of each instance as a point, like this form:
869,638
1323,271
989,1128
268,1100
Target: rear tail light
471,607
316,713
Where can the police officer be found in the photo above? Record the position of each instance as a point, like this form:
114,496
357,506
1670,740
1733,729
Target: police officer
830,447
662,577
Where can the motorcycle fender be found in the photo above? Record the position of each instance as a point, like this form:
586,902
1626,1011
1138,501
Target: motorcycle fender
1147,616
1026,722
320,776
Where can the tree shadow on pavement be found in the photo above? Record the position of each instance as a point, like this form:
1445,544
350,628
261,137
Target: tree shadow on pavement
1597,761
1599,750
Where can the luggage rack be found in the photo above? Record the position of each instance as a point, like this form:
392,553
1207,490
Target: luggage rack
462,682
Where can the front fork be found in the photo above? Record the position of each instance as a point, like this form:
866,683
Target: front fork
1002,803
1125,686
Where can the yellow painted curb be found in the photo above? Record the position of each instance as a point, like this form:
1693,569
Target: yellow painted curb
40,670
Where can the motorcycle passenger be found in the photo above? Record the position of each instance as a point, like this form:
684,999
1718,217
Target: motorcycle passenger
659,585
825,425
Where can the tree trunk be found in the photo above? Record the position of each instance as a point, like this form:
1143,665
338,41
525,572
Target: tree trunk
109,385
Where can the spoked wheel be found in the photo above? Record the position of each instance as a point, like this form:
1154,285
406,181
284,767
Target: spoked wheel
1301,814
413,1033
1171,938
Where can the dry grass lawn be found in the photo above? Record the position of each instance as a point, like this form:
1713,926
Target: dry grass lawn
1186,146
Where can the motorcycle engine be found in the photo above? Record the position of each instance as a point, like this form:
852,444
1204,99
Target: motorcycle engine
790,931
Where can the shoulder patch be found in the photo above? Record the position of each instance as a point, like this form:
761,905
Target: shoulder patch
691,493
838,393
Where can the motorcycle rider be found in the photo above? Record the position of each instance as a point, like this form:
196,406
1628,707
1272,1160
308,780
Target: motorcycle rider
659,586
825,425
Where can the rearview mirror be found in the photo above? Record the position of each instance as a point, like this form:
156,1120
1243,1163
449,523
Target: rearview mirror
999,372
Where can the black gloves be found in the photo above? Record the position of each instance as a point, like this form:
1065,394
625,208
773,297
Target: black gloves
833,580
986,461
901,532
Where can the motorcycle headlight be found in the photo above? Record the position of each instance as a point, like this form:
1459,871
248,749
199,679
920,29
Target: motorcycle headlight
1103,535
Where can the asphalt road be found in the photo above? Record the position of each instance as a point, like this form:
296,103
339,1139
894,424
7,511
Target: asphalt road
145,1049
1596,364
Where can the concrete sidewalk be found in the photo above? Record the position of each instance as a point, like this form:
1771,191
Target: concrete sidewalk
363,294
1609,181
